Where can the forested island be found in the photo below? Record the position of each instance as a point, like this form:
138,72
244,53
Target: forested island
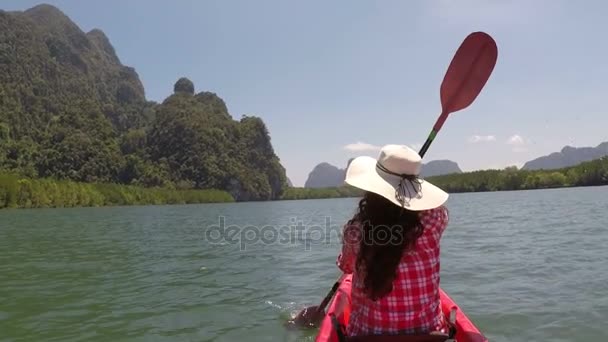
71,112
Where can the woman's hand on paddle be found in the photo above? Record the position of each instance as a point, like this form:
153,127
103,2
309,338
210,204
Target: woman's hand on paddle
311,316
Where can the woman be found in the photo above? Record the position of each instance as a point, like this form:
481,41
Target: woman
391,246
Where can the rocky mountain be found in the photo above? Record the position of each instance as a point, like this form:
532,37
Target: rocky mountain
69,109
568,156
326,175
439,168
195,139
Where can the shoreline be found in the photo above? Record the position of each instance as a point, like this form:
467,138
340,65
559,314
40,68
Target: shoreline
276,200
463,192
22,192
28,193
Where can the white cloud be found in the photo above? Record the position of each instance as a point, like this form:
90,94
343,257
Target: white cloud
516,140
481,138
361,147
518,143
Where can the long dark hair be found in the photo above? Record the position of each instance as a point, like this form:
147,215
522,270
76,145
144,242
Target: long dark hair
388,231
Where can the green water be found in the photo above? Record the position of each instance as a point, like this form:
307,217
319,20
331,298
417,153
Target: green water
525,266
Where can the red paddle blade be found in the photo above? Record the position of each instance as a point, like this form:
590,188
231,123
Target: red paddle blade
468,72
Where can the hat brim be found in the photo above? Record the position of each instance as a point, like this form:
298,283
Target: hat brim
363,174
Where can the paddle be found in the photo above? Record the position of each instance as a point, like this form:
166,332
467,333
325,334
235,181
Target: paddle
313,315
467,74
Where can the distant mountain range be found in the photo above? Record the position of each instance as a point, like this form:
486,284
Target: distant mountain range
326,175
568,156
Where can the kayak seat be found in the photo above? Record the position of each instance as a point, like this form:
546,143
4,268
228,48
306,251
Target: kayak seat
432,337
435,336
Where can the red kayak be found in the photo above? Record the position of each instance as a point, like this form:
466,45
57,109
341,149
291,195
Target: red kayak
339,312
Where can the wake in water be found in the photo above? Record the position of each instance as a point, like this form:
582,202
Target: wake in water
287,312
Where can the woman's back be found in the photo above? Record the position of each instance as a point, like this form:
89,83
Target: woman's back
412,306
392,245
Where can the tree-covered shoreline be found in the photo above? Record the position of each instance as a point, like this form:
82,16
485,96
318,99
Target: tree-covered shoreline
591,173
22,192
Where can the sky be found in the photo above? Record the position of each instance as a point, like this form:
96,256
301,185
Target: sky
338,79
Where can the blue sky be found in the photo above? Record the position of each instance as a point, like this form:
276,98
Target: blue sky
334,80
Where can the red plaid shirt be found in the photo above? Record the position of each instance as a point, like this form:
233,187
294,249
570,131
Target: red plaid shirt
413,305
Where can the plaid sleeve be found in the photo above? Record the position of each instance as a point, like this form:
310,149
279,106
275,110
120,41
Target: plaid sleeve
435,220
350,248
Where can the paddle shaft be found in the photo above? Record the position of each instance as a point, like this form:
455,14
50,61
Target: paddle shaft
438,124
329,295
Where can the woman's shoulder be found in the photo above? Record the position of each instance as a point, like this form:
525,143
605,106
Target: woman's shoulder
435,218
441,211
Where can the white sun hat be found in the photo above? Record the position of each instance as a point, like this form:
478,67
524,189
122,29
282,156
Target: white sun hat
395,176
